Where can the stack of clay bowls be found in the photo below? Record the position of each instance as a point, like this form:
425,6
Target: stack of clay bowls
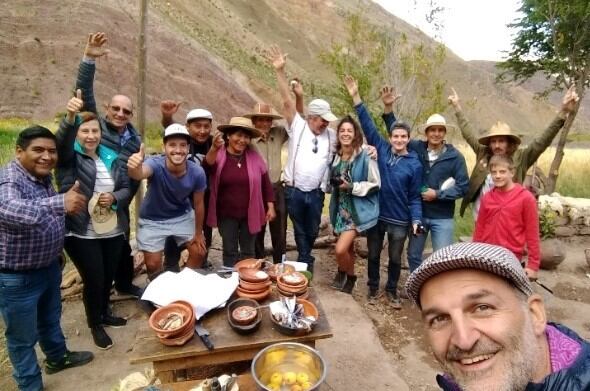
276,269
254,284
294,283
174,323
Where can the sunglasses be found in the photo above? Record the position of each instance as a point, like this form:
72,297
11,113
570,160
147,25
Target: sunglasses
315,145
125,111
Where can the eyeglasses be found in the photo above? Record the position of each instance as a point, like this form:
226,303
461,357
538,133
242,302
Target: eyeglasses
315,145
125,111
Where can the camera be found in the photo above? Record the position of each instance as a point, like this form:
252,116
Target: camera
336,180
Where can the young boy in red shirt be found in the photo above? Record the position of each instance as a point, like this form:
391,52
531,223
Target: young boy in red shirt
508,215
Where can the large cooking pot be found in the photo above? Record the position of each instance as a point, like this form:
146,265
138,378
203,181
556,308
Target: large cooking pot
284,365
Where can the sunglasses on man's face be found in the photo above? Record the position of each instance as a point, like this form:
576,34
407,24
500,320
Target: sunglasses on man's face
315,145
125,111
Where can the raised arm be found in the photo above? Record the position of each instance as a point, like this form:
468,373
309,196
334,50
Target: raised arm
216,145
136,168
464,125
278,60
66,134
297,89
369,129
540,143
168,108
95,48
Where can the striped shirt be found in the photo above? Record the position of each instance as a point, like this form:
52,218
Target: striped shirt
32,220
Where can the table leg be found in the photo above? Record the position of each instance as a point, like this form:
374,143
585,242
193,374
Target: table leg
165,376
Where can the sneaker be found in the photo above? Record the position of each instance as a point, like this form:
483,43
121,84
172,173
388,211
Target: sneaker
395,302
113,321
372,296
403,294
101,338
133,290
69,360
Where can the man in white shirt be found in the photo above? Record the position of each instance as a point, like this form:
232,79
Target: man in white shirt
310,152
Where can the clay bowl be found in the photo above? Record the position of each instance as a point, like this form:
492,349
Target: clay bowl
163,312
251,292
253,275
249,263
254,286
257,296
254,324
294,279
191,323
290,289
302,295
180,340
276,269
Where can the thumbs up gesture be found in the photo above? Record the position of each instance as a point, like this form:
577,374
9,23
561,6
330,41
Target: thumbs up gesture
135,164
74,106
74,200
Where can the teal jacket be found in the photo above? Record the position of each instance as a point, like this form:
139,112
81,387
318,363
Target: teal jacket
366,182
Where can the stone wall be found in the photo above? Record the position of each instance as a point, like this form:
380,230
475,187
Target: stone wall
572,214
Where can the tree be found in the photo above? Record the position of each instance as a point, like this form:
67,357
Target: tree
552,38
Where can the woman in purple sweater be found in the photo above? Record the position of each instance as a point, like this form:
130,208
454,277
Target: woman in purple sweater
241,199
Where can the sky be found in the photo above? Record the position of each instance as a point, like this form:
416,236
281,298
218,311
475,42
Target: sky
472,29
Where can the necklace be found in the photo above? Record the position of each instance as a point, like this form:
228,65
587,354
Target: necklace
238,158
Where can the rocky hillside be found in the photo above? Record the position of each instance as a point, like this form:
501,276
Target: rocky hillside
208,53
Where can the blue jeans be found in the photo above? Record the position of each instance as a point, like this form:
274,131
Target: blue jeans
30,303
396,236
305,211
441,233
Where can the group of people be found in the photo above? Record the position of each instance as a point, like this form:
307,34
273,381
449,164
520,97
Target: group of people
233,180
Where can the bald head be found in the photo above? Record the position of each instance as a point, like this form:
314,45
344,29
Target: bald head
119,111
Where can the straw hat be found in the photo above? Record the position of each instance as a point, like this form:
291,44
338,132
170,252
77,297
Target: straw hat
434,120
241,123
104,219
499,129
262,110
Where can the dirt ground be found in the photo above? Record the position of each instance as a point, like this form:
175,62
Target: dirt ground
384,346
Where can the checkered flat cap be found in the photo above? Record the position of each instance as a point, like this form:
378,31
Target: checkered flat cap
486,257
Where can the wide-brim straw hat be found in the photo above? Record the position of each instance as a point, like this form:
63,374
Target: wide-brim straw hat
434,120
104,219
240,123
262,110
499,129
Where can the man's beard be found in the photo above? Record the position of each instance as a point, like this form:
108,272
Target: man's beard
513,374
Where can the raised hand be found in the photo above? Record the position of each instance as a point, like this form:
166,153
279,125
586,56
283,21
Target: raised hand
276,58
296,86
74,200
217,141
351,85
95,46
388,95
568,103
136,160
454,100
169,107
74,105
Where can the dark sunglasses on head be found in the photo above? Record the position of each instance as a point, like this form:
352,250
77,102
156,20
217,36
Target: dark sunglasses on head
124,110
315,145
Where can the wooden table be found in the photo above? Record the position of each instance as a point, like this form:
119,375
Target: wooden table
230,347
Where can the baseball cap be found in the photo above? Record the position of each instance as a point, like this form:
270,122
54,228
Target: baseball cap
322,108
199,113
104,219
481,256
176,130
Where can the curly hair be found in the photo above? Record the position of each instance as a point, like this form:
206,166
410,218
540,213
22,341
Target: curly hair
357,140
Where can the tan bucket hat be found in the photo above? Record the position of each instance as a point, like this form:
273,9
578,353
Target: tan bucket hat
433,120
241,123
499,129
104,220
262,110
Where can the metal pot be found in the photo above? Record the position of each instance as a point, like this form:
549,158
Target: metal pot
290,363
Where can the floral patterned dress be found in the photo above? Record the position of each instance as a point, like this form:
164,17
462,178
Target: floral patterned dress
344,217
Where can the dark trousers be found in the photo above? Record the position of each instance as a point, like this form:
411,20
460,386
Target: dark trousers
96,261
396,236
235,232
305,212
278,227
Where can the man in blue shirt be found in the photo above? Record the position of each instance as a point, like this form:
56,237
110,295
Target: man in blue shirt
32,227
399,197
